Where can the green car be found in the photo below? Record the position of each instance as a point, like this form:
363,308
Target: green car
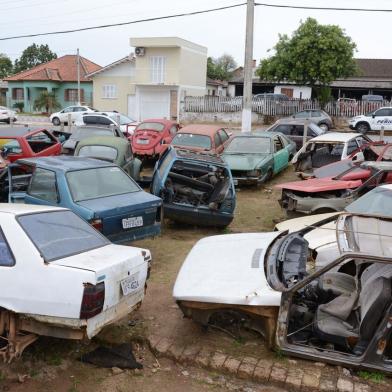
111,149
254,158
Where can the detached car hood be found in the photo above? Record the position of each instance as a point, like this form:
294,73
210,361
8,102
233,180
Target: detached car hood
319,185
245,162
227,269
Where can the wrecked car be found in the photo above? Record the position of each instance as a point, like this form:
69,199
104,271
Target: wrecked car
328,148
196,188
100,192
62,278
111,149
256,158
151,137
321,195
25,142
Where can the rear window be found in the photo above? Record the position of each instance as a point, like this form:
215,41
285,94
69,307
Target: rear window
91,184
60,234
151,125
101,152
191,140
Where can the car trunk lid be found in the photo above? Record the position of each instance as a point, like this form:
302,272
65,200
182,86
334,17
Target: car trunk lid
146,138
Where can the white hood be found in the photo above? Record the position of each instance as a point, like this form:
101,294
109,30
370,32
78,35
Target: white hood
227,269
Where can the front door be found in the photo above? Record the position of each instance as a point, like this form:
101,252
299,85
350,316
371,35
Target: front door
287,91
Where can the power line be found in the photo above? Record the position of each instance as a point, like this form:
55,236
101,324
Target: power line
124,23
303,7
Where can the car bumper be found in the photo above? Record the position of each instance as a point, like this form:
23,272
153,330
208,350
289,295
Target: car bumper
148,152
134,235
197,216
243,180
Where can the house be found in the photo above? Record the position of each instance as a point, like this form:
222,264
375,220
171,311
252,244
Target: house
3,93
374,77
58,75
151,82
216,87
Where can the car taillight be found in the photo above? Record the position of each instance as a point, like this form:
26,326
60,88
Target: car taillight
97,224
93,300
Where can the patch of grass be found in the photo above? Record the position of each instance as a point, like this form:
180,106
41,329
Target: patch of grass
74,386
375,377
279,355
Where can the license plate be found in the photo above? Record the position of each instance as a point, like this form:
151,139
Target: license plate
130,284
136,221
142,141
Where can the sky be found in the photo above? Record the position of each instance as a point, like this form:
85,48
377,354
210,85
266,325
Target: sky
221,32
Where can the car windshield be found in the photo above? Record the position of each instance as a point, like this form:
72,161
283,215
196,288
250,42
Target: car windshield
249,145
102,152
9,146
155,126
60,234
192,140
124,120
100,182
378,202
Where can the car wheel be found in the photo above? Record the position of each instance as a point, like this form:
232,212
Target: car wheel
324,127
362,127
56,121
269,175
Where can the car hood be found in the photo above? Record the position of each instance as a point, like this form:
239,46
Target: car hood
227,269
245,161
319,185
301,223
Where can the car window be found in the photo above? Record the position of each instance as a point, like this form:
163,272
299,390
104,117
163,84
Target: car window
223,135
303,114
315,113
6,256
351,146
336,149
278,144
381,112
40,141
283,128
173,130
59,234
297,130
43,185
104,121
217,140
100,182
101,152
191,140
68,110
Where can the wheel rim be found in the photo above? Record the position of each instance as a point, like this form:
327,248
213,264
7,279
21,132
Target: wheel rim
56,121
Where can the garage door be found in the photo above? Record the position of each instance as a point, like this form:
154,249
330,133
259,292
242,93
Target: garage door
154,104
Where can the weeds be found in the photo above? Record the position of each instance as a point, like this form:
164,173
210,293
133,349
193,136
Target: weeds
376,377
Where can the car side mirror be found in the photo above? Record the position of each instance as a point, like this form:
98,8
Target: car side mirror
373,115
355,158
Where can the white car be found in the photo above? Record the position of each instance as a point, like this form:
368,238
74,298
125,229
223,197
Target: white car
328,148
75,112
62,278
7,115
127,125
373,121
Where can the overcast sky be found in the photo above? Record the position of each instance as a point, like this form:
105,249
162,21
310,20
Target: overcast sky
221,32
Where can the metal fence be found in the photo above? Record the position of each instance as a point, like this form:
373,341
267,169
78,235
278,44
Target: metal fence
339,108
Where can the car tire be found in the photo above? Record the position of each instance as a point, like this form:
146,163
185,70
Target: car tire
8,121
362,127
324,127
56,121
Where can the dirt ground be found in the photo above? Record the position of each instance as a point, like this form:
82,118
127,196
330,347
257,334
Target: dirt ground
52,364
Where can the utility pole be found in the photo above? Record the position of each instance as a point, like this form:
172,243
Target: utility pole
248,69
78,68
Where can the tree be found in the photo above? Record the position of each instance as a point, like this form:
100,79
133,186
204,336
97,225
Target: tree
5,66
221,68
33,56
315,54
46,100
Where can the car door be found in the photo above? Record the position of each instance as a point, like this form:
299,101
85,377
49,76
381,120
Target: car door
19,178
64,114
281,155
218,144
224,138
297,134
381,118
43,144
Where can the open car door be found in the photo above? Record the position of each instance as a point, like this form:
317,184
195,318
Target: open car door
19,177
341,313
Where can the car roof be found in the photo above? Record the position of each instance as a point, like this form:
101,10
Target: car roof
64,163
294,121
21,209
18,131
335,137
382,165
200,129
386,186
260,133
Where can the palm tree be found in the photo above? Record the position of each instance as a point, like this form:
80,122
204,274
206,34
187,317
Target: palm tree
47,100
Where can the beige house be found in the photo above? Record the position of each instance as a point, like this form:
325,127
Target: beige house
151,81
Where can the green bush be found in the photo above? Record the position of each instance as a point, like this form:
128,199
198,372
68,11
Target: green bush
19,105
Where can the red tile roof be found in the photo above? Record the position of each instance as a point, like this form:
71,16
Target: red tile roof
62,69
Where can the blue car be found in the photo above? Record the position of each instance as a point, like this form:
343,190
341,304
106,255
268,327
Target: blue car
100,192
196,188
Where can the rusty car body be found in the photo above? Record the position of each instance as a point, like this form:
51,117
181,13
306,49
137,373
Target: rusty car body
316,196
196,188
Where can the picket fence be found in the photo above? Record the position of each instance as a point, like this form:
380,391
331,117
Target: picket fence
339,108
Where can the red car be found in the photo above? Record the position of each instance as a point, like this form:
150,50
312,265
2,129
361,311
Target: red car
200,137
150,137
17,142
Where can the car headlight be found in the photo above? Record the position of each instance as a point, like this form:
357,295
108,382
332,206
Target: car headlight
253,173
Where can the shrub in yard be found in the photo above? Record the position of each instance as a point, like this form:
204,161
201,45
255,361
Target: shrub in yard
48,101
19,106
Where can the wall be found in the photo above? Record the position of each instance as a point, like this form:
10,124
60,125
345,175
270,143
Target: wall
193,66
230,118
297,90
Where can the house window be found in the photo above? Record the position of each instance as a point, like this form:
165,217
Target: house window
109,91
157,66
18,94
71,95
